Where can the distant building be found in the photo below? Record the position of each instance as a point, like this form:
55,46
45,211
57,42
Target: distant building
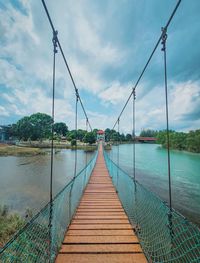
100,135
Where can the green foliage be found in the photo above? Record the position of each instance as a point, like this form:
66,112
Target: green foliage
193,141
61,128
180,140
34,127
148,133
90,138
9,224
112,135
81,134
128,137
73,142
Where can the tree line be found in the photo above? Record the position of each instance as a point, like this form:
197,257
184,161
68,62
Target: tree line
181,141
38,127
178,140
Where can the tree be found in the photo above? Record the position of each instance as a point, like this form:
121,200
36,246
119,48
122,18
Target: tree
81,134
71,135
128,137
73,142
122,137
115,136
23,128
61,128
107,135
41,126
148,133
36,126
90,138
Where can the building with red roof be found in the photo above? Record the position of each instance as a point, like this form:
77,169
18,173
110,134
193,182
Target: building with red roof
100,135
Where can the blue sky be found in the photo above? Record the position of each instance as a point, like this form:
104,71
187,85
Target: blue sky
106,43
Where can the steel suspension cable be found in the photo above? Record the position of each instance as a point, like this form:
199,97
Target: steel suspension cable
86,124
164,38
148,61
75,157
133,133
76,136
118,139
66,63
54,40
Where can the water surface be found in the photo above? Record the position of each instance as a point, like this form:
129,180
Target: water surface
152,172
24,181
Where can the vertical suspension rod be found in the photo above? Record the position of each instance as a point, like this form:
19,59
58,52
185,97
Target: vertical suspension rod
54,40
118,153
164,38
76,130
133,135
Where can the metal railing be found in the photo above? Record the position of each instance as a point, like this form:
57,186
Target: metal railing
31,243
164,236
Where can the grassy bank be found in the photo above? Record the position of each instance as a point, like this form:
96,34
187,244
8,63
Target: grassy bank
58,145
35,148
9,224
7,150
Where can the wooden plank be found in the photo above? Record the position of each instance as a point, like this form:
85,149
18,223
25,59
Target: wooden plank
100,221
101,258
100,239
100,232
100,217
100,226
101,248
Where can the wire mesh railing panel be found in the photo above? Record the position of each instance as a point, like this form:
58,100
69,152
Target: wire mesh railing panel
165,236
32,243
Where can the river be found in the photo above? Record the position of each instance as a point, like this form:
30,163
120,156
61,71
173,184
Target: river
24,181
152,172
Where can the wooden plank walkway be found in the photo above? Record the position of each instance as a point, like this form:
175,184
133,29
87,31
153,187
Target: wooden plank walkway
100,230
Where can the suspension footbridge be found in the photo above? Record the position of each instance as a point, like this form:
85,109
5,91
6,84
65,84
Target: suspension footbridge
100,230
103,214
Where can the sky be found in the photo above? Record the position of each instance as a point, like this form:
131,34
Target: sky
107,44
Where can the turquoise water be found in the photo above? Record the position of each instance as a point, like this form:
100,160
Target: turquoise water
152,172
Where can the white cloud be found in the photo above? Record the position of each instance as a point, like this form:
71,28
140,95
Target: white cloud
26,69
3,112
185,98
116,93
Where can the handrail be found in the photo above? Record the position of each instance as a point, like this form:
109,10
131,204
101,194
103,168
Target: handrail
148,214
18,246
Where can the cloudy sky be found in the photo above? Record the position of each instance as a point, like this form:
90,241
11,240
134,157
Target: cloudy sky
106,43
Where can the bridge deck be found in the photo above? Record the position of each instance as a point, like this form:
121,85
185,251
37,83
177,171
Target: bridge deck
100,230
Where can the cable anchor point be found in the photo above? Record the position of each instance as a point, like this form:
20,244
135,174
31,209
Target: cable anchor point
134,94
164,38
55,41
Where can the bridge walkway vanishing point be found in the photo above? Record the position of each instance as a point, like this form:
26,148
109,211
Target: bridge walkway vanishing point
100,230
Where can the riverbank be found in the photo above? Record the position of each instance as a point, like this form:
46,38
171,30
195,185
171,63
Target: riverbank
36,148
12,150
9,225
58,145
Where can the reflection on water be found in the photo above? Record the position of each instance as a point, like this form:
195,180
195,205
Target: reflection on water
25,180
151,171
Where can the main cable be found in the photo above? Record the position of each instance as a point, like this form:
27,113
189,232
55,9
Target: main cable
66,63
148,61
